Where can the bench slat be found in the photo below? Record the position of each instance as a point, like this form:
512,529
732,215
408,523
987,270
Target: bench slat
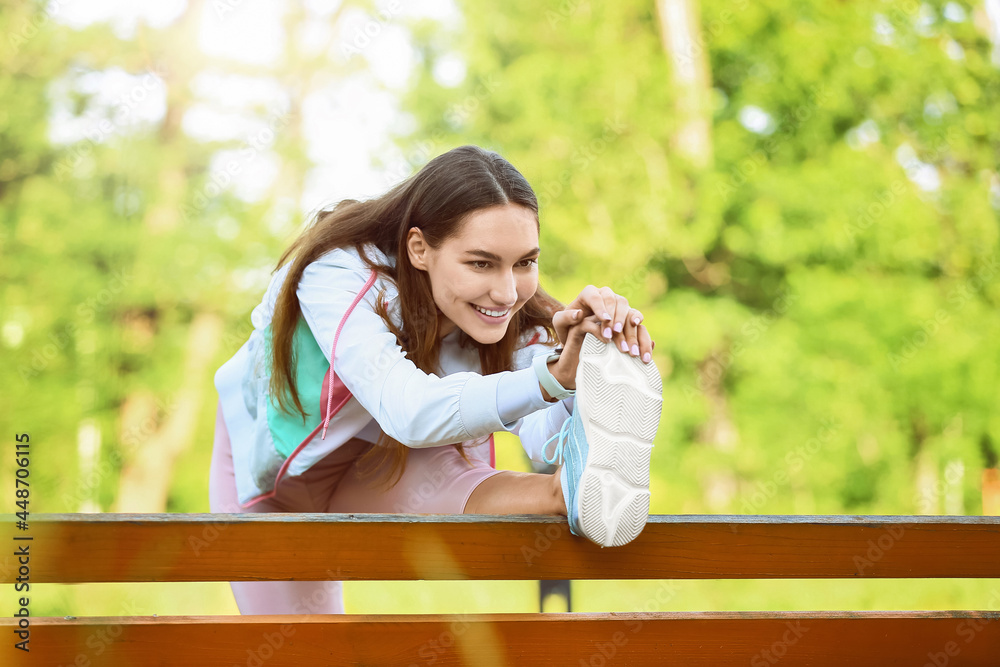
719,639
74,548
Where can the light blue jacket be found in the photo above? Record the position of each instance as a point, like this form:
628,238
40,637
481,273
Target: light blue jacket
373,386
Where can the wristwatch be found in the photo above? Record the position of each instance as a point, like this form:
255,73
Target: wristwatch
546,379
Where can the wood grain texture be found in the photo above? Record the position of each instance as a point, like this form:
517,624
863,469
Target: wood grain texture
73,548
719,639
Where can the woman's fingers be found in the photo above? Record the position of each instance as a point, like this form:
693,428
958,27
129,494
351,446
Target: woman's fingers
563,320
645,344
637,336
621,319
591,324
615,307
634,339
600,302
564,370
617,322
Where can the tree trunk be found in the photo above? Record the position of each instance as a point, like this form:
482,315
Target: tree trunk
146,477
680,33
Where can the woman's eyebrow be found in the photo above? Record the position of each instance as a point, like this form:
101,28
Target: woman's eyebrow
495,258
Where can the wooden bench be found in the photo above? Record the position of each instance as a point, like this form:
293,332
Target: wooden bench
72,548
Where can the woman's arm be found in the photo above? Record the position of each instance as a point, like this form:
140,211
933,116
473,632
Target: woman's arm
535,428
416,408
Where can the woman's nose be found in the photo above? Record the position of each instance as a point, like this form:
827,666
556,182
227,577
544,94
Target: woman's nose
505,291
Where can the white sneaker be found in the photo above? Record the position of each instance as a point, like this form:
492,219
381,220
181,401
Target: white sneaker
605,446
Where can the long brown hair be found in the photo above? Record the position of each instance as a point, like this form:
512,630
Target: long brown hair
436,199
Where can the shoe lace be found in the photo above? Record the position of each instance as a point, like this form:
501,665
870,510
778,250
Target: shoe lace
563,435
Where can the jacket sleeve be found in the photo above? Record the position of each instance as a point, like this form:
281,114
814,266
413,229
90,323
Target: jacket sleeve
416,408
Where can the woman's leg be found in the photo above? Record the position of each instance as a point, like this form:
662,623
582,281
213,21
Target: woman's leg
517,493
437,480
268,597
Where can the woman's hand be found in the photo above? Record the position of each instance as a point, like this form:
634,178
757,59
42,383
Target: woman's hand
563,369
616,321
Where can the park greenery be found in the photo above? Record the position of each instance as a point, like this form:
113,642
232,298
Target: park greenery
801,197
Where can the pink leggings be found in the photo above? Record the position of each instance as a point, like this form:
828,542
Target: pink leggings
436,481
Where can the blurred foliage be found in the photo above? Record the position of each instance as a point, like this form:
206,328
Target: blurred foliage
822,290
823,293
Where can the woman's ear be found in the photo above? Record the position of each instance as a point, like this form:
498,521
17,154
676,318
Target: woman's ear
416,248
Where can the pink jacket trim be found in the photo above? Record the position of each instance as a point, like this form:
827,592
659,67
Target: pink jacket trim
329,389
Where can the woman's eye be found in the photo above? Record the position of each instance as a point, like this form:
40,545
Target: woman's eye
525,263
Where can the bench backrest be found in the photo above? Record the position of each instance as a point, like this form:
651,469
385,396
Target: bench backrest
71,548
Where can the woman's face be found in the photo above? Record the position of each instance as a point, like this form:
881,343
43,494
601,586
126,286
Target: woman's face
492,264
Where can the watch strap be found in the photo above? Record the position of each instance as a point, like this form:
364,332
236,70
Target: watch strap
545,377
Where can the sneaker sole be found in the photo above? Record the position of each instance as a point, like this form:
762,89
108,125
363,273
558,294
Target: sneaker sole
620,399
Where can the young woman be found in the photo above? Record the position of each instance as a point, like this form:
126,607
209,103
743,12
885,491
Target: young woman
403,332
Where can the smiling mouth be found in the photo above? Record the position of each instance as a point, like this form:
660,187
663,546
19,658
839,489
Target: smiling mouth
497,314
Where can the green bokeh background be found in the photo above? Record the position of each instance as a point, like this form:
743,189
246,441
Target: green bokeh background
801,197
